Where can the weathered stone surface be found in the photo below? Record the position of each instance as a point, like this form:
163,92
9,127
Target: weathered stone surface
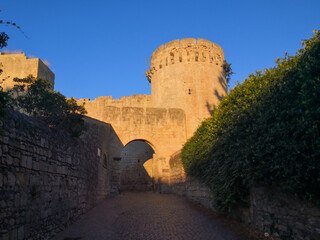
11,179
271,211
283,214
37,201
18,65
1,179
48,179
187,81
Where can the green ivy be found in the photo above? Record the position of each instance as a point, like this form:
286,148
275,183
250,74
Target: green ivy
265,132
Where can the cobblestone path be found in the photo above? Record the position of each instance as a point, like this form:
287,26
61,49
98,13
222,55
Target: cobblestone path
146,216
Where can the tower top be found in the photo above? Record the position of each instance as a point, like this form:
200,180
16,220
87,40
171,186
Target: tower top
187,50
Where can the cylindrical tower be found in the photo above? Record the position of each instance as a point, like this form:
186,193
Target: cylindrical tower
188,74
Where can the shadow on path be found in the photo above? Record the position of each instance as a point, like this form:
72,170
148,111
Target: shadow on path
147,216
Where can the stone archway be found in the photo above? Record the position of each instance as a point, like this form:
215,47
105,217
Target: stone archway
137,166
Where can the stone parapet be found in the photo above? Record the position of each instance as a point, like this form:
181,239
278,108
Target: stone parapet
185,50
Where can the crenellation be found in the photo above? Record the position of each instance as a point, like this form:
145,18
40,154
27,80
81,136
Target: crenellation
185,50
204,42
158,50
186,42
186,72
174,43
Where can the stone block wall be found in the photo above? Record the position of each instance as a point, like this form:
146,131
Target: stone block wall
283,215
20,66
47,178
184,185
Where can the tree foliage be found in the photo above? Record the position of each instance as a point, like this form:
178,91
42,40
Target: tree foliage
37,100
3,40
3,36
265,132
5,99
227,70
6,102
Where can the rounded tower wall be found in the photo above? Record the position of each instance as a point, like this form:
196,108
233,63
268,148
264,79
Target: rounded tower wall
188,74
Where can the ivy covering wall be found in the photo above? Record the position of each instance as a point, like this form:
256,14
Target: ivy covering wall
266,132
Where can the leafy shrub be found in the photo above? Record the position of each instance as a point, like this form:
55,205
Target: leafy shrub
5,102
36,99
265,132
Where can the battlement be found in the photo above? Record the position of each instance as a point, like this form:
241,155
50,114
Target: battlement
188,50
139,100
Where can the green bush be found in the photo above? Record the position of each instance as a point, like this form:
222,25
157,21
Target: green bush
265,132
36,99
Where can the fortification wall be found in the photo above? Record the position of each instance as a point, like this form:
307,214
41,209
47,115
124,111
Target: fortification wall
18,65
187,81
134,118
47,178
188,74
96,107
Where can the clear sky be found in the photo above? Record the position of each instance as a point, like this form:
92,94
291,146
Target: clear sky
99,47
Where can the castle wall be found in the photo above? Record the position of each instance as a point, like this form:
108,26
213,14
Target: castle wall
18,65
133,118
45,72
187,81
47,178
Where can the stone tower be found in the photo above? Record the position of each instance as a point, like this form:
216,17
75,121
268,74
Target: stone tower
18,65
188,74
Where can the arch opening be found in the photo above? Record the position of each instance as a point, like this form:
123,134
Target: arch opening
137,166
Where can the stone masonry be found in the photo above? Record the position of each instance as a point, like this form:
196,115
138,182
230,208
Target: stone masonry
187,81
283,215
48,179
20,66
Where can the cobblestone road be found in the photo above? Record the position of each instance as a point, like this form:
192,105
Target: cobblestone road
146,216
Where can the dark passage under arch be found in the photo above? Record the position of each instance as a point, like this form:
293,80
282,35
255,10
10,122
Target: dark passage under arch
136,166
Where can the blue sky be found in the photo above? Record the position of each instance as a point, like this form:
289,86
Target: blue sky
99,47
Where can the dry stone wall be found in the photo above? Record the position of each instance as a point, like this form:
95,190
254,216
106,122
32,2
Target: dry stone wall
47,178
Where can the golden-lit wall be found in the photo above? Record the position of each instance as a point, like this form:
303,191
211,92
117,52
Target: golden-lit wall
187,80
18,65
188,74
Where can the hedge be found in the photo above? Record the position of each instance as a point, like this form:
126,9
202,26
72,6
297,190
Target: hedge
266,132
